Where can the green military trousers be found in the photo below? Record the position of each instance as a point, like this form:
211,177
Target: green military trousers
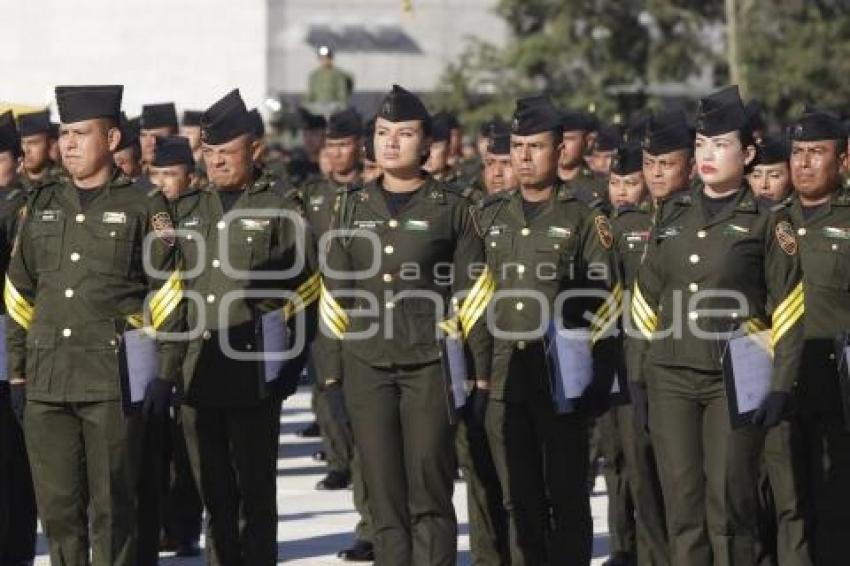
405,440
709,472
84,459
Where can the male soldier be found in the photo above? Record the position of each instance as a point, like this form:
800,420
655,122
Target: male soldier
371,169
630,225
426,247
328,87
609,139
257,242
821,213
770,177
454,151
571,164
36,143
541,241
343,141
258,130
91,249
17,501
172,170
156,120
53,151
438,155
305,160
128,156
190,128
498,172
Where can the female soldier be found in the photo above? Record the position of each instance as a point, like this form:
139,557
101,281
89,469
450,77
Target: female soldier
405,242
716,248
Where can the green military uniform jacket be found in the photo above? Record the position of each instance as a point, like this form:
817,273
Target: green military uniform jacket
747,248
824,240
329,85
261,247
321,203
567,246
77,279
407,266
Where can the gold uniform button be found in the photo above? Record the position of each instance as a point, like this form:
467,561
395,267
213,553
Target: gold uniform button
801,231
702,234
834,247
66,332
525,231
113,342
75,257
389,250
519,306
69,293
520,268
112,234
694,258
216,263
693,315
557,246
388,278
210,298
693,287
832,356
80,218
248,347
249,239
393,223
206,335
189,237
389,305
492,244
520,345
631,246
220,225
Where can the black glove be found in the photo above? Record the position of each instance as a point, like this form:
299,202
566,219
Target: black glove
772,409
476,405
157,398
18,400
640,405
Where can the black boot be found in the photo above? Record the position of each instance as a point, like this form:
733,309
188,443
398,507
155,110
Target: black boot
620,559
362,551
334,481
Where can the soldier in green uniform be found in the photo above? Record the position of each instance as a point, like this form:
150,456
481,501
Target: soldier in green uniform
76,281
155,120
328,88
438,155
719,265
36,142
572,170
498,174
820,211
180,511
607,141
542,241
630,226
781,499
419,236
243,245
304,164
128,156
17,501
770,177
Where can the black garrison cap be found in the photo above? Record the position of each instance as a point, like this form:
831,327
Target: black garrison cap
487,126
345,124
172,150
500,139
258,127
226,119
817,125
774,148
159,116
454,123
129,131
9,138
441,127
666,132
400,105
535,114
573,121
78,103
192,117
637,126
755,114
33,123
610,137
721,112
627,159
310,121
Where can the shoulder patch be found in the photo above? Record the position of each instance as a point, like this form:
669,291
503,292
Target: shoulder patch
785,237
603,230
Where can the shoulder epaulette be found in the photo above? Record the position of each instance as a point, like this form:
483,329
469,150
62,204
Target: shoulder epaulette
13,194
565,193
495,197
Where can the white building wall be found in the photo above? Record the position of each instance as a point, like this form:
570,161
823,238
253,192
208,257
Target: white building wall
187,51
439,27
